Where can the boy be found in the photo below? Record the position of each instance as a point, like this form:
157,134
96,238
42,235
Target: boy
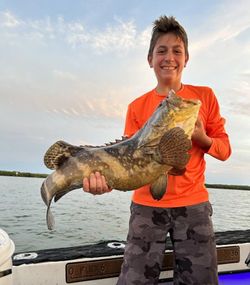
184,211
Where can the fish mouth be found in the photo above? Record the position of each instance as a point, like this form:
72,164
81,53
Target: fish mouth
47,200
187,102
45,194
180,102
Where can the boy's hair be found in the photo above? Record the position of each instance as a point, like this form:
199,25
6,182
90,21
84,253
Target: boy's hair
165,25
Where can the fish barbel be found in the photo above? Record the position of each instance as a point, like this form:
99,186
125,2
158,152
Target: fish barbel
160,146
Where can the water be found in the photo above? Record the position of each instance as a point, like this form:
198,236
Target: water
82,218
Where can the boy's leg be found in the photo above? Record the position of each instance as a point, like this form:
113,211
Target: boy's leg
145,246
194,245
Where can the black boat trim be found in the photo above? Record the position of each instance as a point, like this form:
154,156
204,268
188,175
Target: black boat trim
5,272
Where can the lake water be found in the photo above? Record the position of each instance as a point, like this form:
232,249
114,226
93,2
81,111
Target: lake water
82,218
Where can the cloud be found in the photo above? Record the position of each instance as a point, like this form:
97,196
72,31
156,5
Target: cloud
246,74
7,19
121,36
223,26
92,109
238,97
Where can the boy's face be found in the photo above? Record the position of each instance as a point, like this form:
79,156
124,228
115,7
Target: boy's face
168,60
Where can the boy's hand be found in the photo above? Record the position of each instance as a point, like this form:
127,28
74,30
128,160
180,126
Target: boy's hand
199,135
96,184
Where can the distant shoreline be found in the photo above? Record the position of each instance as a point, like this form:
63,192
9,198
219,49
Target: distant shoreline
22,174
42,175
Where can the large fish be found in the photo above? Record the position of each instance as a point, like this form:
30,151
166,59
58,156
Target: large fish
160,146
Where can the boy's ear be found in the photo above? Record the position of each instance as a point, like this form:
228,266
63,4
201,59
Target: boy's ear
150,61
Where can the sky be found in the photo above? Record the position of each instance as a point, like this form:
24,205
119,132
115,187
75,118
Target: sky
68,70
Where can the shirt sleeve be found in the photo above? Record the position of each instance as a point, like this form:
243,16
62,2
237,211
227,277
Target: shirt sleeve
131,123
215,129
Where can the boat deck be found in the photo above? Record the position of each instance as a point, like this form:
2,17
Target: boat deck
102,249
100,263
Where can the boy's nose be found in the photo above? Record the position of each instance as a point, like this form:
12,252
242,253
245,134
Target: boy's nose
169,56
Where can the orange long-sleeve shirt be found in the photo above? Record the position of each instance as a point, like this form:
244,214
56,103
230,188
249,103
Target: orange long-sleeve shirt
189,188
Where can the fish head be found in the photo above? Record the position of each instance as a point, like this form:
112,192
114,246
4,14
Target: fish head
179,112
174,111
63,180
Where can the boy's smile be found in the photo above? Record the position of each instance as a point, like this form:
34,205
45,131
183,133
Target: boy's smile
168,60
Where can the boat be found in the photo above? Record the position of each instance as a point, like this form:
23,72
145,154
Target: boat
100,263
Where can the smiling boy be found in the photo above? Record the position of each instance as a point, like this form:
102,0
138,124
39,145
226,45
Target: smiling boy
184,211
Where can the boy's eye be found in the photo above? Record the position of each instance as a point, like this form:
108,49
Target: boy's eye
161,51
177,51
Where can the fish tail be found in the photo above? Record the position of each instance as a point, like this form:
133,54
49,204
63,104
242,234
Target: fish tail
58,153
45,193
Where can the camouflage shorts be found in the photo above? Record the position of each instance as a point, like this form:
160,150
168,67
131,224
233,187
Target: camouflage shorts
192,235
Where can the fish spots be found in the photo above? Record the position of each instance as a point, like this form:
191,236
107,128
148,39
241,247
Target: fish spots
123,156
59,179
111,163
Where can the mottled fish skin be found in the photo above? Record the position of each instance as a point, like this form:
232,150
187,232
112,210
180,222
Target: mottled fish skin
160,146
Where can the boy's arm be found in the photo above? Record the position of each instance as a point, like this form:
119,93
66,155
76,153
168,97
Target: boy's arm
200,137
220,146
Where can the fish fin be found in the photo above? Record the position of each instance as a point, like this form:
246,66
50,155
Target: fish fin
50,219
123,138
173,148
176,172
158,187
58,153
